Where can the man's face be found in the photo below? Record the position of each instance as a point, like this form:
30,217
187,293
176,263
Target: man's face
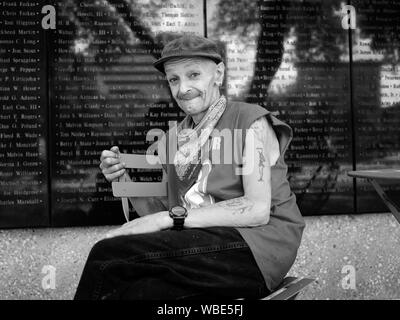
194,84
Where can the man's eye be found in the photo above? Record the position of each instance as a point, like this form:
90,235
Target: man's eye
194,75
172,80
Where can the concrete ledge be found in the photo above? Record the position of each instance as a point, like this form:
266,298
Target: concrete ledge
331,245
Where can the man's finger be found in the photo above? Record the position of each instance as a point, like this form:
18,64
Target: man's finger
118,232
110,165
113,169
108,154
115,175
111,161
112,233
115,149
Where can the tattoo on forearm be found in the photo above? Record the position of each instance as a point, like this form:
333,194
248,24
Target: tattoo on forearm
238,205
261,162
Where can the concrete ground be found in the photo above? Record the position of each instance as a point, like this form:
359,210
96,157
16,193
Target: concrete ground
350,256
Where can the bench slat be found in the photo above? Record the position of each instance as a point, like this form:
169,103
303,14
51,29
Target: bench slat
290,289
141,161
139,189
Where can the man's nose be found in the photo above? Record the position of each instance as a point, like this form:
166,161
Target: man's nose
183,87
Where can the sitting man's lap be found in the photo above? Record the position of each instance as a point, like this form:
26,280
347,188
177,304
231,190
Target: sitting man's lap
192,263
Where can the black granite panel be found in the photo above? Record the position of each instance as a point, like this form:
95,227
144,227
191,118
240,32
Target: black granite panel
292,58
376,86
23,116
105,92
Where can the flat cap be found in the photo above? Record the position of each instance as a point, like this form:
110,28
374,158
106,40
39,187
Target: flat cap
188,46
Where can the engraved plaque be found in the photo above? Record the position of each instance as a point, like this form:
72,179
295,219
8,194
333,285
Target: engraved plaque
292,58
69,93
376,86
23,116
105,92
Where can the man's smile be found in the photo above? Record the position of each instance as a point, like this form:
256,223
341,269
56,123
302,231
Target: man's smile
188,96
189,99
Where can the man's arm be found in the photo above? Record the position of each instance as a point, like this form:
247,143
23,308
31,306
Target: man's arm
253,208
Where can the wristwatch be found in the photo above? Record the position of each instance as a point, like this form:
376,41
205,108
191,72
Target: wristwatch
178,214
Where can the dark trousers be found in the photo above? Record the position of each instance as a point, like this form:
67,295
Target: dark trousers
188,264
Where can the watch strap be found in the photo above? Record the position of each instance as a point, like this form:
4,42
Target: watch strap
178,223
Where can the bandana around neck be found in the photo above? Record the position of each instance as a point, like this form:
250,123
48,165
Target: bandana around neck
188,158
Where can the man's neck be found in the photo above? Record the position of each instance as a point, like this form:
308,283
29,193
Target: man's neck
197,117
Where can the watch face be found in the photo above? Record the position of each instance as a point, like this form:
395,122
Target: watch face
178,211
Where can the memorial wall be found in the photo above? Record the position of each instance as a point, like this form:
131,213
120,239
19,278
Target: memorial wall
68,93
24,198
292,68
105,92
376,91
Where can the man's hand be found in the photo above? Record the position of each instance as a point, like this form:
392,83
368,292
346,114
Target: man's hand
146,224
110,164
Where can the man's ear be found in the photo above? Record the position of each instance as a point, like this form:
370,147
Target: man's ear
220,72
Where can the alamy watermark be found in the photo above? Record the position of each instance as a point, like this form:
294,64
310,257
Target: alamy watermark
49,278
349,280
349,17
223,147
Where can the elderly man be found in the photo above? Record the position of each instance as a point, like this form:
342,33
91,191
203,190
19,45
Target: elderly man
229,229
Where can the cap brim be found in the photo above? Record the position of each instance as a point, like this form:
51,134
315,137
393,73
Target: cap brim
159,64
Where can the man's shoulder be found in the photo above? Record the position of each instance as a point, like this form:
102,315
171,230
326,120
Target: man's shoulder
245,106
247,111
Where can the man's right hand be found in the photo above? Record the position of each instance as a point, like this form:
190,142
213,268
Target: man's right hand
110,164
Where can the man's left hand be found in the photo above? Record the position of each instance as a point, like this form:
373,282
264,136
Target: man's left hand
146,224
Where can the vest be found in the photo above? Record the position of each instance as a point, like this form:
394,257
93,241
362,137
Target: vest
274,245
